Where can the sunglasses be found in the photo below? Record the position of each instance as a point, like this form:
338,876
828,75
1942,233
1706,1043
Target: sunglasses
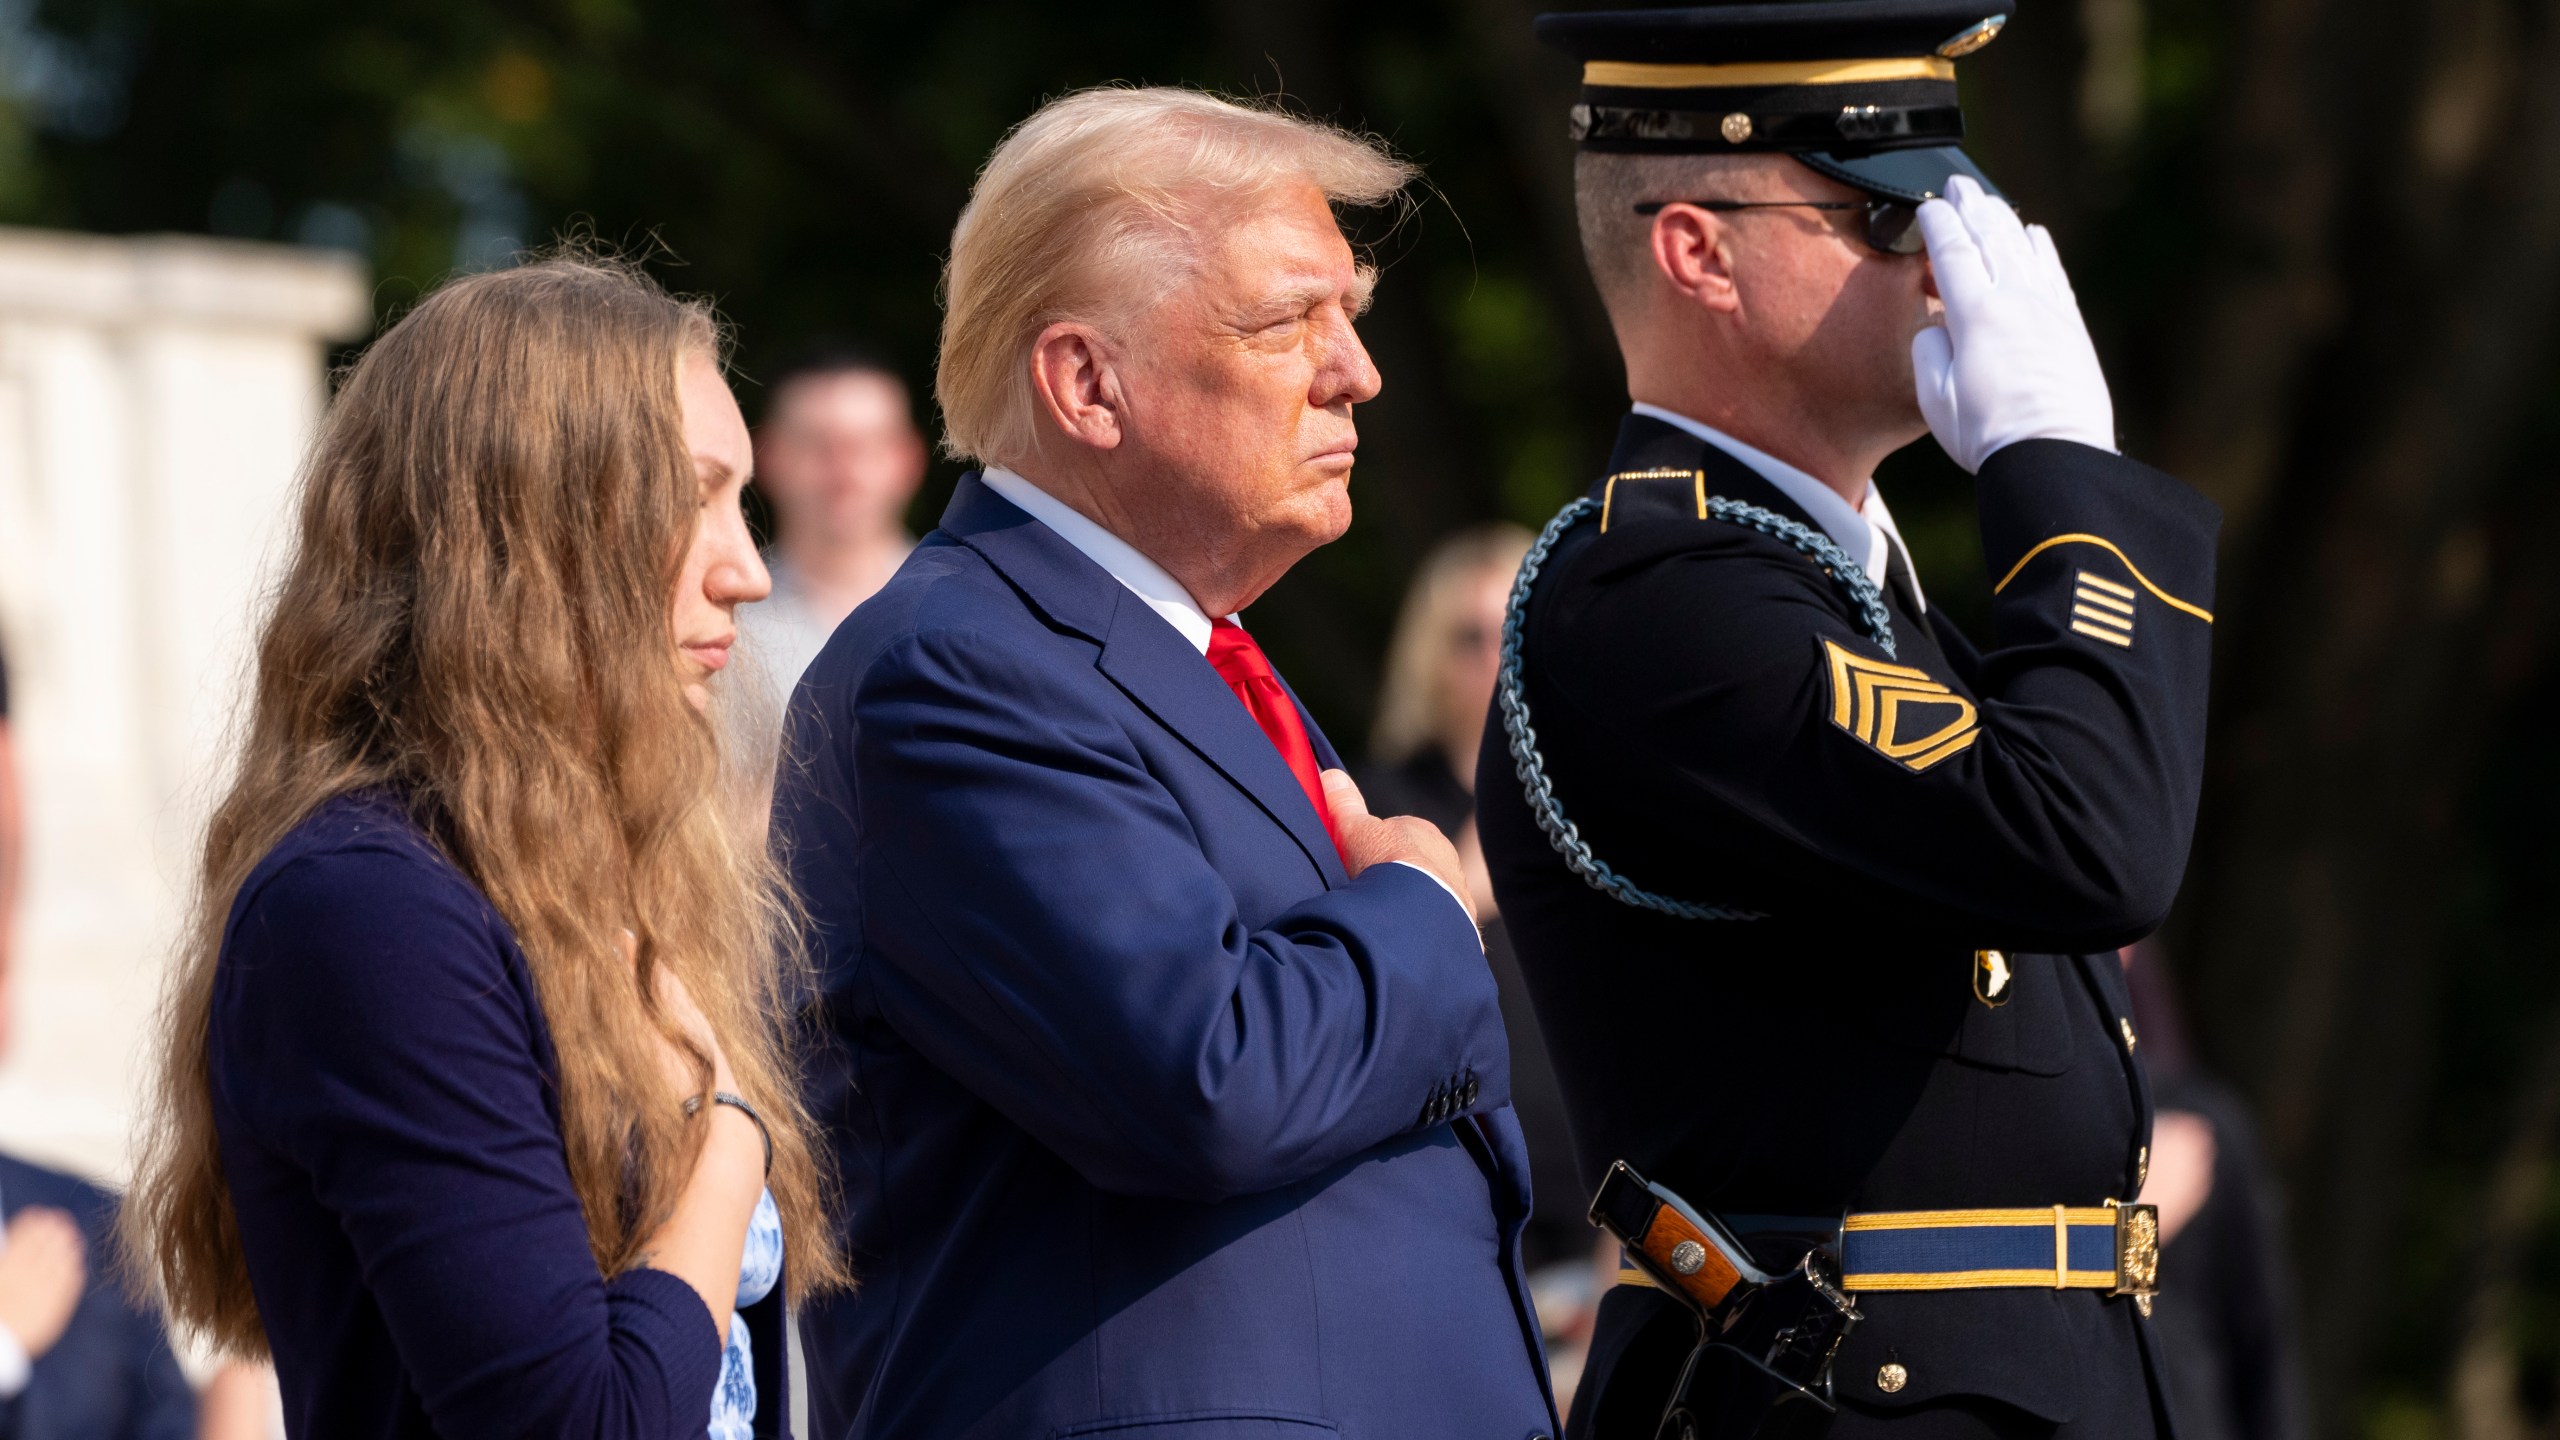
1893,226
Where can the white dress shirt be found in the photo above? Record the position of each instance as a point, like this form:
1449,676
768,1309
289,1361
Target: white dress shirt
1144,578
1863,530
783,632
1141,576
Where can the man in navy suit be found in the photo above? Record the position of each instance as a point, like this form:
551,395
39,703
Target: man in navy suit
1169,1087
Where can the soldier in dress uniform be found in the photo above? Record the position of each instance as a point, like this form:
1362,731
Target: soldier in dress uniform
1816,899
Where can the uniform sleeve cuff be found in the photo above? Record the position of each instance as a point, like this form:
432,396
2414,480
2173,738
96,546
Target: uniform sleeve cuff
2057,497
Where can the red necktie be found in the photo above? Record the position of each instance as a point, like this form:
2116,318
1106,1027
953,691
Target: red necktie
1248,672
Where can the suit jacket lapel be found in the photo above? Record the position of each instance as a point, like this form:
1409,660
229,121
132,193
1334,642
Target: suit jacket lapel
1158,668
1146,657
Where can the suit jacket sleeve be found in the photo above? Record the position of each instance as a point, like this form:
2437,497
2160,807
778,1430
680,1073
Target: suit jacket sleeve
1046,927
369,1024
2043,802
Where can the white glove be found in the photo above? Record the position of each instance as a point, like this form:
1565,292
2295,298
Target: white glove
2013,361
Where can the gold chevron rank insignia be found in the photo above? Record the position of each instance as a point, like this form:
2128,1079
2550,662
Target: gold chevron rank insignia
1896,711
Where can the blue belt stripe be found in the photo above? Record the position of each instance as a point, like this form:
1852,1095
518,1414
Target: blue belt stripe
1973,1247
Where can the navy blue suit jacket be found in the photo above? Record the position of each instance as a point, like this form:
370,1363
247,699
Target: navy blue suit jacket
110,1376
1150,1121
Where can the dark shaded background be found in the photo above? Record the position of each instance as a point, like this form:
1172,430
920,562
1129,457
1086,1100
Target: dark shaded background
2317,239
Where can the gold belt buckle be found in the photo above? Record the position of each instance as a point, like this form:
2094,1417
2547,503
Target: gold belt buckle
2137,1252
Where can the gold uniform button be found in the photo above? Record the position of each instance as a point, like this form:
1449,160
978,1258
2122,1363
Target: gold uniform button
2126,1027
1892,1378
1736,128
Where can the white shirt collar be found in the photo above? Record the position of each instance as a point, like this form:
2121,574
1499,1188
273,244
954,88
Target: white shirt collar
1864,531
1144,578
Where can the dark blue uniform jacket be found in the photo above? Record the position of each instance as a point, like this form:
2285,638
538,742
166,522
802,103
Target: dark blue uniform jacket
1722,729
1150,1121
110,1376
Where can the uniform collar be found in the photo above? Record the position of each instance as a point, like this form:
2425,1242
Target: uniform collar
1143,577
1865,530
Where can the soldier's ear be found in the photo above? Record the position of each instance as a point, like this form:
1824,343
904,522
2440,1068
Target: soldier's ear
1694,254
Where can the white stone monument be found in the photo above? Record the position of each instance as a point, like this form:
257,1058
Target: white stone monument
156,397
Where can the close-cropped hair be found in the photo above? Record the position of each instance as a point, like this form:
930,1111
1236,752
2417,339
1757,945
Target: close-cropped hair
475,617
1091,210
1617,243
1417,706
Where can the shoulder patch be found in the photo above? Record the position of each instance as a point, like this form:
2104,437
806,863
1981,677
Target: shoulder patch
1897,711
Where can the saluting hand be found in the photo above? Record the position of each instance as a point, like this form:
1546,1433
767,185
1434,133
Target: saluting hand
1391,839
2013,361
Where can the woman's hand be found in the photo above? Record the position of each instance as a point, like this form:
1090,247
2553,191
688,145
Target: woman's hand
703,1241
676,1003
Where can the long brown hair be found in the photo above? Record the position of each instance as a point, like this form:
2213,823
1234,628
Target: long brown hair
476,616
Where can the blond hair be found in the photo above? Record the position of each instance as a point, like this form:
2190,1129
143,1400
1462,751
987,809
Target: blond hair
1090,210
1416,707
475,618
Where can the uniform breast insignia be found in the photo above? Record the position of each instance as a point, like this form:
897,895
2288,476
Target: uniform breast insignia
1897,711
1992,978
2103,610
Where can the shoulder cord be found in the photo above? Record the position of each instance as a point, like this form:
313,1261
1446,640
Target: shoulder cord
1513,700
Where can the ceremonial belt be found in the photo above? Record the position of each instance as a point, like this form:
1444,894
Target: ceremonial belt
2114,1248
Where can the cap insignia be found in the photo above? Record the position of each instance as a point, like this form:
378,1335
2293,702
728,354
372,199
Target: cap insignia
1973,37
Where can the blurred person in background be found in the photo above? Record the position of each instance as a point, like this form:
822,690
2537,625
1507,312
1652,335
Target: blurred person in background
77,1361
2225,1315
1432,704
474,1106
12,831
1441,662
839,457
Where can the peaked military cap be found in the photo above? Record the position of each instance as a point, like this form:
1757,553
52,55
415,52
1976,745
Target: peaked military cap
1861,90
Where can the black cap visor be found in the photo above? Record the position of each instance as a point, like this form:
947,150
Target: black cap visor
1907,175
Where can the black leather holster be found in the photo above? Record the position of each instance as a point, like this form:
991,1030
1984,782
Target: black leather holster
1761,1368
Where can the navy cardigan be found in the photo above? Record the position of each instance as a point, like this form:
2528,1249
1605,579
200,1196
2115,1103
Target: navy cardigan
383,1086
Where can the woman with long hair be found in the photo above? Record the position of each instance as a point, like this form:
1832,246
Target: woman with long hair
474,1109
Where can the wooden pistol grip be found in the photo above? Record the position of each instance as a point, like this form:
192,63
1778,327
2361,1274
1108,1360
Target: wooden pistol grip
1715,1276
